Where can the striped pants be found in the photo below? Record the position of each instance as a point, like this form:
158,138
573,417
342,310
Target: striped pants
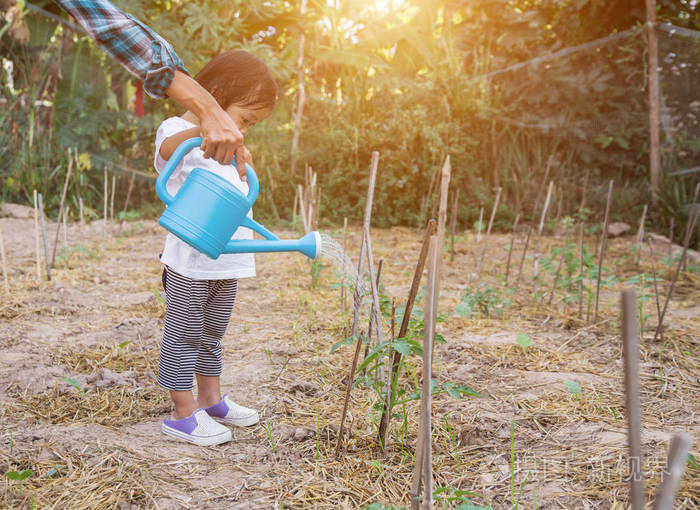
197,314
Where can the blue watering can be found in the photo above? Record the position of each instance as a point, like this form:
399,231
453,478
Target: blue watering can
208,209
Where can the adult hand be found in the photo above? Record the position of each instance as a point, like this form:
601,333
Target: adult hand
221,138
220,135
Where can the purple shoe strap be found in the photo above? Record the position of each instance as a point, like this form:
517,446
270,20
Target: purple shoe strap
186,425
219,410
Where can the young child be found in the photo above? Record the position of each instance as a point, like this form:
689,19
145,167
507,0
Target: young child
200,291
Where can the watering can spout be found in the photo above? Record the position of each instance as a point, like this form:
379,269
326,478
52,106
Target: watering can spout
309,245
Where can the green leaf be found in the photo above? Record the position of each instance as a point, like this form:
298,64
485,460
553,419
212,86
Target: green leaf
402,346
438,338
345,341
19,475
523,341
573,387
74,383
692,462
124,344
463,310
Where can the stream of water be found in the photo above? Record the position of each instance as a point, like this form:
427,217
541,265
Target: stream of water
333,251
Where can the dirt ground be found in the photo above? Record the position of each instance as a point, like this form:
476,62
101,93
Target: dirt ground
80,407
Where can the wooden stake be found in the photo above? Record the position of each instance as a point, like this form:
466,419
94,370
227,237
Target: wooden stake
690,226
65,227
601,254
481,219
686,242
630,353
343,292
405,320
522,257
376,312
294,209
372,313
5,277
670,238
388,363
673,473
580,272
640,234
453,223
442,219
104,214
128,197
60,209
36,238
539,236
653,78
423,471
510,248
488,233
111,200
358,296
656,286
302,209
45,237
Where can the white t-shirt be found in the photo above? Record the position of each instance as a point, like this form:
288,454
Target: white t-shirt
177,254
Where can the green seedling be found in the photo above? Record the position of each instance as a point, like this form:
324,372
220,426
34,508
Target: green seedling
515,502
158,296
573,387
121,345
19,476
270,437
54,471
74,383
449,497
453,440
692,463
12,444
523,341
485,300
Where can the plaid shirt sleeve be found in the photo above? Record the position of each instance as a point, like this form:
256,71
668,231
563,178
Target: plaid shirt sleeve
136,46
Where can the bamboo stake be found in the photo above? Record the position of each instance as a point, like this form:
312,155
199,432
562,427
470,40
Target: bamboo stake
5,277
375,297
488,233
45,237
522,258
561,264
36,238
481,219
345,246
60,209
601,254
640,234
630,353
428,196
686,242
690,226
580,272
357,296
422,472
656,287
302,209
653,90
405,320
442,219
372,313
670,238
510,248
294,209
539,236
673,473
111,200
453,223
104,214
65,227
388,363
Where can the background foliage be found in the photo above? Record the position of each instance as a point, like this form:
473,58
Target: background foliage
413,79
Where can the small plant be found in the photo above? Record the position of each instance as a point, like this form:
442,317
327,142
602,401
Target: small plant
74,383
523,341
485,300
270,437
12,444
158,296
316,267
573,387
19,476
449,497
121,345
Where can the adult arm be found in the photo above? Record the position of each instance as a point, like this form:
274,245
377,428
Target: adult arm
150,58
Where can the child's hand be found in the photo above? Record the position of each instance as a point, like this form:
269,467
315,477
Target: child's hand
242,157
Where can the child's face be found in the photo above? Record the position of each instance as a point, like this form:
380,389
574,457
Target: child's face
245,116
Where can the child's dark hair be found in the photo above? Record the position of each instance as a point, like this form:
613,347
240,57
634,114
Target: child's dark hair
239,77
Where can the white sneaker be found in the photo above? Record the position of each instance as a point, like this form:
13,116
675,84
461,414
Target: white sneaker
198,428
227,411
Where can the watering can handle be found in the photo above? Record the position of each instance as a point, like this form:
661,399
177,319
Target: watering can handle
184,148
